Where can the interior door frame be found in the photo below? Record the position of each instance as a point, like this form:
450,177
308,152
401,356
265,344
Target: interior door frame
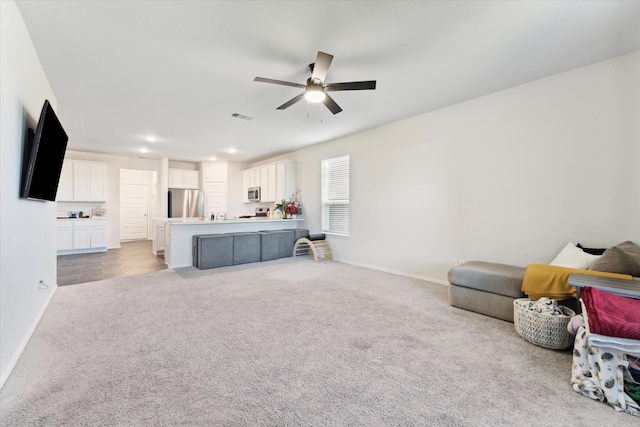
150,180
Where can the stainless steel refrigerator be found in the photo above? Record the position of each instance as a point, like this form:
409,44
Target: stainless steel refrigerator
185,203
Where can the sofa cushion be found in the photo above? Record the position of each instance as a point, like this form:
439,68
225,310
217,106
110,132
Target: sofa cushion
501,279
573,257
630,249
615,260
489,304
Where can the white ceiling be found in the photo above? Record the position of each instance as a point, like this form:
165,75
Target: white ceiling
123,70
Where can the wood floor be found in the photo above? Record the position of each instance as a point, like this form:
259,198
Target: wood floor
132,258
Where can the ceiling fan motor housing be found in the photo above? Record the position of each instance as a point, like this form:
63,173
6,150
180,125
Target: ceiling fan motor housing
315,89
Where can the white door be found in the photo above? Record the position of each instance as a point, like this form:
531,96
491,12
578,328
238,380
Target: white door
216,197
134,211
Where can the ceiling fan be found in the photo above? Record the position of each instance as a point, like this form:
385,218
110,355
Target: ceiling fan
316,90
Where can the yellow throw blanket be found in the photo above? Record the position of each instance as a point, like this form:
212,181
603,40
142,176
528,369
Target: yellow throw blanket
542,280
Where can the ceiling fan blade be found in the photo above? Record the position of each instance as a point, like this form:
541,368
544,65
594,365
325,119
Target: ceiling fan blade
278,82
321,66
331,104
290,102
366,85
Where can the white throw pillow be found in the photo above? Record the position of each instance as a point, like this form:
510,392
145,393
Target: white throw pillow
573,257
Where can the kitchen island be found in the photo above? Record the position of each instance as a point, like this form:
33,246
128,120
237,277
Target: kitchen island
178,233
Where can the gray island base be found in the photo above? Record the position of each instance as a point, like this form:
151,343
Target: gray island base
179,234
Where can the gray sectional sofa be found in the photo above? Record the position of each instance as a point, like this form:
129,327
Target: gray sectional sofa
486,288
490,288
221,250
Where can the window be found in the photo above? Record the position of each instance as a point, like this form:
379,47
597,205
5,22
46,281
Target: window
335,195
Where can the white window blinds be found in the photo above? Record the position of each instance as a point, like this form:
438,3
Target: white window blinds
335,195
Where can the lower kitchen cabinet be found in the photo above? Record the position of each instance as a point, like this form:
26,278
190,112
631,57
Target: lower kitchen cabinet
81,235
64,233
157,247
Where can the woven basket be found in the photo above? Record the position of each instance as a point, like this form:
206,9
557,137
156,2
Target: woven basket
543,329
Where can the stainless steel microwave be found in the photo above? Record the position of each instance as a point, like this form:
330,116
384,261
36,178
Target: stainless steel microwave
254,194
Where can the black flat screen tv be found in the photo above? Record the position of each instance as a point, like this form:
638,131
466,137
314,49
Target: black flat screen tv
43,157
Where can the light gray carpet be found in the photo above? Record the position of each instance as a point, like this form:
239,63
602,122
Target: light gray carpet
286,343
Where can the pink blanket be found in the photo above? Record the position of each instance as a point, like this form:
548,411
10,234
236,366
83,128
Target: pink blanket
612,315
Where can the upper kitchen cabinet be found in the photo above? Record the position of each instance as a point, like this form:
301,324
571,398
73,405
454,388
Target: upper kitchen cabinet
82,181
277,181
285,179
184,178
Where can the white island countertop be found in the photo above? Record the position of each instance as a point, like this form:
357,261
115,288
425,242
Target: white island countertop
179,233
192,221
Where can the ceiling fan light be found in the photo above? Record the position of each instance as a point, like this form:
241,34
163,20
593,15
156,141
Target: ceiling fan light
314,95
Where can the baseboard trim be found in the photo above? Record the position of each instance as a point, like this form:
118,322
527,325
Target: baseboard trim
26,339
399,273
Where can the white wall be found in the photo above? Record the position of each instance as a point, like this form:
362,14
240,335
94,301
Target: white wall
114,164
175,164
27,228
510,177
234,191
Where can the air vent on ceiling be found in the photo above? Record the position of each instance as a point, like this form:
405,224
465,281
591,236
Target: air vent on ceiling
241,116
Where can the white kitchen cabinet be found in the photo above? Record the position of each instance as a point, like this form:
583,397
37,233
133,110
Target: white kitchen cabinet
191,179
184,178
277,181
64,235
271,183
81,184
264,182
65,185
82,181
158,237
256,177
268,183
285,179
176,178
81,235
98,182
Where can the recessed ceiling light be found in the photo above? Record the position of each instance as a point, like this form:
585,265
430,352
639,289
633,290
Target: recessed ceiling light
150,138
144,150
232,151
213,159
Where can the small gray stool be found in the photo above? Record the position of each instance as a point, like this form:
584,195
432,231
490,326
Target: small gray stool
212,250
246,247
275,244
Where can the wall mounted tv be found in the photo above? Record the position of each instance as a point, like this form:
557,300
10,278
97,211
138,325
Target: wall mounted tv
43,157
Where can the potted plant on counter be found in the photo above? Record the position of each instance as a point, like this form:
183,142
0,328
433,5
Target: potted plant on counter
290,208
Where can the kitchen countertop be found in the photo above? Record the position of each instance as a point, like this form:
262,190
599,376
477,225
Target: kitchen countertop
82,219
196,221
179,232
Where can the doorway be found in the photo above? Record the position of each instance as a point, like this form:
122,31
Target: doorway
135,186
216,194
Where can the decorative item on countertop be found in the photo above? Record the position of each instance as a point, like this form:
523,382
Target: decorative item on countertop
98,212
277,214
290,207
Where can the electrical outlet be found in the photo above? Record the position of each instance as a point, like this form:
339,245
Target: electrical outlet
461,261
454,261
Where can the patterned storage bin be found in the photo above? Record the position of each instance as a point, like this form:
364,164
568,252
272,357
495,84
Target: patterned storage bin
543,329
